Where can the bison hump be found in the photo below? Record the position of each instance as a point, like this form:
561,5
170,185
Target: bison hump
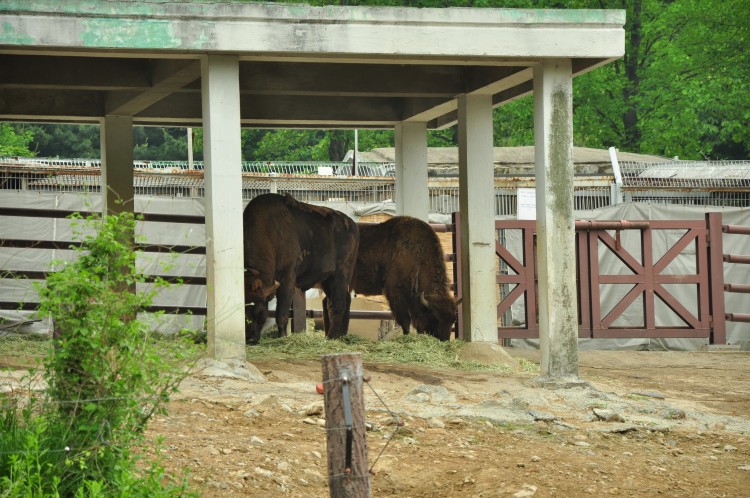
308,208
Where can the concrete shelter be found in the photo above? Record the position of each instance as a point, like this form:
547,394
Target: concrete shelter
225,65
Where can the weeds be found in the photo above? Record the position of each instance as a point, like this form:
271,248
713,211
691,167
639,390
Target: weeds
105,380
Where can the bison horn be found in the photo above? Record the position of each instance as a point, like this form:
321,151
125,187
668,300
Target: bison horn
270,290
423,300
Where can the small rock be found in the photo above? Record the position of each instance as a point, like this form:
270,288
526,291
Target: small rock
282,466
744,467
536,459
674,414
226,451
252,413
435,423
321,422
256,441
313,409
313,473
582,443
650,394
607,415
263,472
526,491
309,421
729,447
217,484
542,416
317,455
214,451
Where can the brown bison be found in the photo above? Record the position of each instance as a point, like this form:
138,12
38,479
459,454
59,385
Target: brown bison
291,244
402,259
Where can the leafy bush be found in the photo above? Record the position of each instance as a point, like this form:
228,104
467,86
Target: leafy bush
104,381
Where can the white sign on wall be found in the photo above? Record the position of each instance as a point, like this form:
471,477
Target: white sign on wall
526,203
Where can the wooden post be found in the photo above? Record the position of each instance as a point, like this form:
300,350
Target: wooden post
344,401
716,278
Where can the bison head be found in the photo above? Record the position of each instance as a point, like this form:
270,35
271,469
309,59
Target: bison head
437,315
258,293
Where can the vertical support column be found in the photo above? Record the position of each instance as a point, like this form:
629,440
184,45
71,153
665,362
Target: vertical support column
553,134
716,278
223,180
412,192
116,138
477,194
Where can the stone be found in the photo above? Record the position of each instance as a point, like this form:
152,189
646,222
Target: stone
256,441
674,414
263,472
435,423
488,353
607,415
435,394
649,394
540,416
313,409
237,369
526,491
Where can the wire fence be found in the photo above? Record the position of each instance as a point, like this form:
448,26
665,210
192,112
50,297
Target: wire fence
716,183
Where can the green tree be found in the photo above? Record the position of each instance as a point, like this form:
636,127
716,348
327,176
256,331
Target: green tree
13,143
64,140
696,88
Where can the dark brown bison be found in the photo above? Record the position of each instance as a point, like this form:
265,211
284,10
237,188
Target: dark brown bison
402,259
292,244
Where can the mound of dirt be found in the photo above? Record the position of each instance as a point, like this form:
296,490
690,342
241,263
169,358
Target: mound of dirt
644,424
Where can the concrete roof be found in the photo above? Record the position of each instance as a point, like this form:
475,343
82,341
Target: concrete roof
513,160
300,66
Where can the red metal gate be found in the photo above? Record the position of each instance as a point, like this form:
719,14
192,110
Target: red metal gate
645,279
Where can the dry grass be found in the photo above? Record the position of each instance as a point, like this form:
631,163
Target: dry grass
410,349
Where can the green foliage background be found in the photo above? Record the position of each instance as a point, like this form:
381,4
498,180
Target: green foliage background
681,90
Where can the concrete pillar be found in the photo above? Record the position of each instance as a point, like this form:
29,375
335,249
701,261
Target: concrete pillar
116,143
223,181
477,207
412,193
556,257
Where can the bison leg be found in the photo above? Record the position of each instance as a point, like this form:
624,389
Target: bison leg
337,302
400,309
255,317
326,316
283,303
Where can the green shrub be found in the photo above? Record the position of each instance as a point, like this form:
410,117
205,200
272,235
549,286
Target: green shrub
104,381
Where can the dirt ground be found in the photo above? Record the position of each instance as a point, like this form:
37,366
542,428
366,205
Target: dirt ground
678,426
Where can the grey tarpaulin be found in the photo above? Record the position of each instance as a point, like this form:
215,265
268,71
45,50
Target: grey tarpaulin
194,265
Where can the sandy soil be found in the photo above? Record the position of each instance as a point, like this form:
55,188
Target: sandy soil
678,426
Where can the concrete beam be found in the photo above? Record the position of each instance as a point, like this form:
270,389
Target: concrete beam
168,77
476,199
358,32
556,257
412,192
223,178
